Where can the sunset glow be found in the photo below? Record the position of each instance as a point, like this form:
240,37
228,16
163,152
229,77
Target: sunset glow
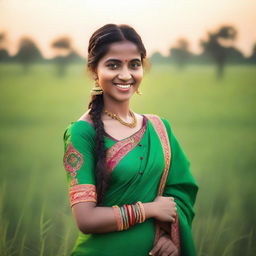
160,23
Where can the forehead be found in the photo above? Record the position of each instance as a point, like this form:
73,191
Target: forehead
122,50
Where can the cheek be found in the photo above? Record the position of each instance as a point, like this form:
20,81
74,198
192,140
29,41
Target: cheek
105,75
139,74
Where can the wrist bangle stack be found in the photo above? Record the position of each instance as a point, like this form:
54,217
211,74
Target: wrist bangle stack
128,215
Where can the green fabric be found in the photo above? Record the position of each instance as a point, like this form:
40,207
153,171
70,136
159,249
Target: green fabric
182,186
134,179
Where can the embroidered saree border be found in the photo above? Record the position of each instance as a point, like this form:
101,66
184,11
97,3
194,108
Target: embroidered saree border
82,193
175,233
163,136
121,148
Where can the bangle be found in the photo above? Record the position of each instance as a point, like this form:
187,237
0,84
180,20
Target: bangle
142,212
131,215
118,217
128,215
124,216
137,213
131,211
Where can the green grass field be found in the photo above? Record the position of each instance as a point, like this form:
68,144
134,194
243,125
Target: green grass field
214,122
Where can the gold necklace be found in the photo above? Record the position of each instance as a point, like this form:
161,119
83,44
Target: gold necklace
116,117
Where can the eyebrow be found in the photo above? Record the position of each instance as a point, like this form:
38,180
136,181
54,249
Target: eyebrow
117,60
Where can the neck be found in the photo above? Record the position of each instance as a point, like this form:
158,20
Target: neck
119,108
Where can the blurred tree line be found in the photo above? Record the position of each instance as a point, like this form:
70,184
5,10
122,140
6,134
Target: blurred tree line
29,53
217,48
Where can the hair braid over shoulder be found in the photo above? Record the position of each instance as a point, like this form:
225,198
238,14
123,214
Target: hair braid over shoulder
96,106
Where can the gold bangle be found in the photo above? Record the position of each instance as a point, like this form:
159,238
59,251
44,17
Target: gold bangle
142,211
118,217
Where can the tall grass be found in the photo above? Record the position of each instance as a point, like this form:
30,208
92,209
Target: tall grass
214,122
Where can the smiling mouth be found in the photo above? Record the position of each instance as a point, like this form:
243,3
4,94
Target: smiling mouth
123,86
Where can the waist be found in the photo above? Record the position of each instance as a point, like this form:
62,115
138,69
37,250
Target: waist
137,240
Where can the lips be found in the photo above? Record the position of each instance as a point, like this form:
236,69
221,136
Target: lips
123,87
123,83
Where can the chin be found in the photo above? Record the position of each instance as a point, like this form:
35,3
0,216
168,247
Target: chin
121,98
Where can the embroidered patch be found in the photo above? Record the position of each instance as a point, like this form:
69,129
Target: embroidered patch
82,193
73,160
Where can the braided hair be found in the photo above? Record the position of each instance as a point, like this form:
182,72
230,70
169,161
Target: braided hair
98,46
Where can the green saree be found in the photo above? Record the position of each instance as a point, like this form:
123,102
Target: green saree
136,164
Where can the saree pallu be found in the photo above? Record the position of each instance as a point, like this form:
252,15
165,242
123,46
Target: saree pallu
136,164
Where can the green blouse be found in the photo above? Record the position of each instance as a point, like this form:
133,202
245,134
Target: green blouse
136,164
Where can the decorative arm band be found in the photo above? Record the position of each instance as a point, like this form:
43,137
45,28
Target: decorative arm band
82,193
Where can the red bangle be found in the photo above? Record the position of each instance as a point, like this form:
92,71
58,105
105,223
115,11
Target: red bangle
132,215
127,216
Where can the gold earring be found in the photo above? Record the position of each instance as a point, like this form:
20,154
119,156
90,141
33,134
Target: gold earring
138,92
96,90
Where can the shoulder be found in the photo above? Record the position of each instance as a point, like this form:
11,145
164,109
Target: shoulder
86,117
159,118
78,130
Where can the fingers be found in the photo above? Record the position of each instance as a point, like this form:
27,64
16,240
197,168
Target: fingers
171,250
155,249
164,247
157,246
174,253
174,210
173,204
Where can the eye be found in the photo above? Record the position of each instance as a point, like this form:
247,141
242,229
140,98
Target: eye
112,65
135,65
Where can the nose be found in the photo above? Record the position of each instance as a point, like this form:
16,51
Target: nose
124,74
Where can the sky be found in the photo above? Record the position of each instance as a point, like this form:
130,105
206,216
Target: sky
160,23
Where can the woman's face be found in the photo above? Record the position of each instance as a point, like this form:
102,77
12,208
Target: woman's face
120,71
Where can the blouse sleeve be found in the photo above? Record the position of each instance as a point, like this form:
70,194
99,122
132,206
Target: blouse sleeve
79,163
182,186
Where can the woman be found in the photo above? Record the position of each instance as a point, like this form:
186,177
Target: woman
130,187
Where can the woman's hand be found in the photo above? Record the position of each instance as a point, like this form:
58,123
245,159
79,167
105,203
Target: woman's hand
164,247
165,208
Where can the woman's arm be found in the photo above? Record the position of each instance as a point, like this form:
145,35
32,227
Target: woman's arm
96,219
92,219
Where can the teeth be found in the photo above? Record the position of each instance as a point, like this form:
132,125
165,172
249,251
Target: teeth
123,86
